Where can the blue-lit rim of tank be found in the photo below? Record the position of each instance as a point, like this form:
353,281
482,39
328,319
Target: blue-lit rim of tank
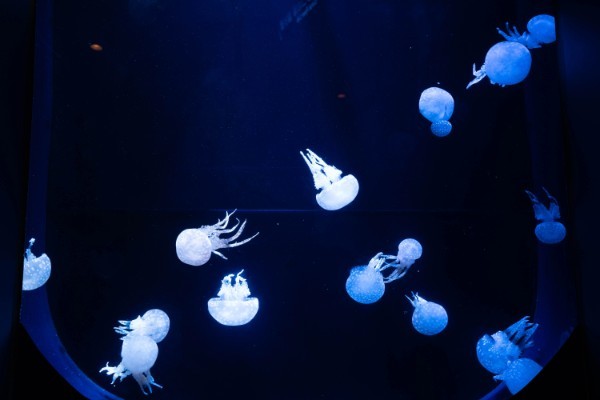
554,302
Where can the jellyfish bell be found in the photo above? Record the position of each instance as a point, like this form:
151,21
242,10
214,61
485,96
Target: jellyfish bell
409,250
506,63
519,373
542,28
365,284
550,232
437,106
36,270
233,306
428,318
154,323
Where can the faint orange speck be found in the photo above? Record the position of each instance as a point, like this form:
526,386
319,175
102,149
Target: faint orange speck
96,47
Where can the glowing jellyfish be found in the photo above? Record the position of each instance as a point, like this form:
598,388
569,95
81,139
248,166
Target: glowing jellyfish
366,283
541,31
506,63
336,192
519,373
36,270
428,318
194,246
548,231
437,106
496,352
154,323
233,306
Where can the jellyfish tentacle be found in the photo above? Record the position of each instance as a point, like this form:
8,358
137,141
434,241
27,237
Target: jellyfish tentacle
478,74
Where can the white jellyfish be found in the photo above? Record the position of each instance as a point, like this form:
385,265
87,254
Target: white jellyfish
154,323
541,31
428,318
519,373
195,246
548,231
336,191
36,270
233,306
437,106
496,352
506,63
366,283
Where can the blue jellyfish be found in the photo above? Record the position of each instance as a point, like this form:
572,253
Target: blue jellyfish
428,318
36,270
519,373
366,283
548,231
506,63
233,306
437,106
496,352
541,31
154,323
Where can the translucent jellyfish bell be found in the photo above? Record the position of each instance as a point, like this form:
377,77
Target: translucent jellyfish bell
518,374
506,63
428,318
233,306
36,270
549,230
541,31
336,191
154,323
496,352
195,246
437,106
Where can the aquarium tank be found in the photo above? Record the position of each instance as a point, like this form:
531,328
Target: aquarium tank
297,199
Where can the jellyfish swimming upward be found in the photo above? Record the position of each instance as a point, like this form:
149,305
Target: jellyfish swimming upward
36,270
540,30
549,230
437,106
366,283
335,191
194,246
233,306
428,318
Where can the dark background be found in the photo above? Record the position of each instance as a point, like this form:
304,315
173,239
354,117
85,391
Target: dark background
109,150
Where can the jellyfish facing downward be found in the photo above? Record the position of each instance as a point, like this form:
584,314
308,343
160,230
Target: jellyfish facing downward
366,283
194,246
36,270
541,31
336,191
506,63
549,230
233,306
437,106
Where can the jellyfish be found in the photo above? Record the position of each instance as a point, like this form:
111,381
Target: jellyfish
194,246
519,373
366,283
233,307
154,323
335,192
541,31
506,63
138,355
496,352
428,318
437,106
36,270
548,231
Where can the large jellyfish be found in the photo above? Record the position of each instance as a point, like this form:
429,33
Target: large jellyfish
233,306
496,352
549,230
154,323
541,31
194,246
336,191
428,318
366,283
437,106
36,270
519,373
506,63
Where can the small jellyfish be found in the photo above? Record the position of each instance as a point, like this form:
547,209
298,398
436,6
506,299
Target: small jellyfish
437,106
194,246
36,270
154,323
428,318
335,192
366,283
233,307
541,31
548,231
519,373
506,63
496,352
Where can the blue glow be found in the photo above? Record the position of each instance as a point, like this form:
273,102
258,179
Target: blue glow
233,306
428,318
506,63
518,374
154,323
365,284
541,31
549,230
36,270
437,106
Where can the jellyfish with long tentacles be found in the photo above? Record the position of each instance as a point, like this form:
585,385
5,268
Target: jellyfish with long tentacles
549,230
506,63
233,306
36,270
366,283
540,30
437,106
194,246
335,191
428,318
